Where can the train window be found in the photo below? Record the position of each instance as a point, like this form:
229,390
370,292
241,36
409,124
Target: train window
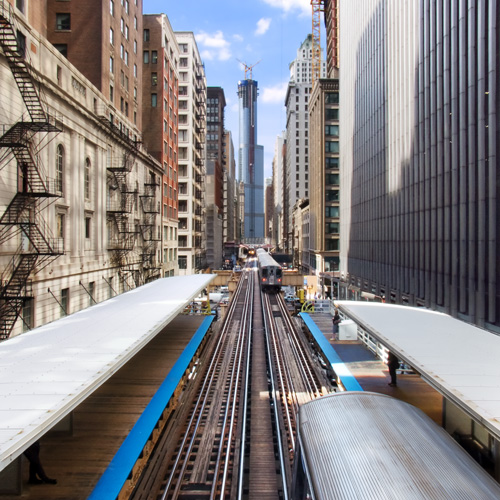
264,272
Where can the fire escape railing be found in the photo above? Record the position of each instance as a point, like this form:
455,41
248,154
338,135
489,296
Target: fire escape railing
22,217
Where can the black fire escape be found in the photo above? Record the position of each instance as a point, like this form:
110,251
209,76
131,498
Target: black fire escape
121,203
150,210
22,218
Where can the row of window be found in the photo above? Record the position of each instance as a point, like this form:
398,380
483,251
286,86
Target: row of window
150,56
60,172
61,225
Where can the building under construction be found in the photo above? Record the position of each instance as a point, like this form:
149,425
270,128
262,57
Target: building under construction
251,161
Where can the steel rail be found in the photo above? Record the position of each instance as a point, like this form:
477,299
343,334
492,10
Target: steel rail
284,378
199,406
241,469
228,423
304,362
275,405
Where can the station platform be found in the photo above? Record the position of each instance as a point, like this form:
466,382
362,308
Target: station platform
373,375
79,457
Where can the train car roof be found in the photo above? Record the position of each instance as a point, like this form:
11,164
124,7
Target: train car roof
265,259
46,372
367,445
458,359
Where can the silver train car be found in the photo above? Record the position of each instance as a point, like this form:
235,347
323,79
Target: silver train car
363,445
270,273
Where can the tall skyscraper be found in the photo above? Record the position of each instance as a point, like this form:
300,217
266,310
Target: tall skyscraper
419,152
297,175
160,76
215,165
192,123
251,163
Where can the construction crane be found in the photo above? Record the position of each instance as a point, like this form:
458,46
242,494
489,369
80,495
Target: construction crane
331,10
317,8
248,69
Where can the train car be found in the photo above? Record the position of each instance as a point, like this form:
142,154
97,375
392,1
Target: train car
356,445
251,252
270,274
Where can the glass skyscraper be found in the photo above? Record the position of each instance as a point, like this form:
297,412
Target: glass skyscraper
251,163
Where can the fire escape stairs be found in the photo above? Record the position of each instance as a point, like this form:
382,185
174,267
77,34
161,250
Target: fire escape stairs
15,291
150,209
22,215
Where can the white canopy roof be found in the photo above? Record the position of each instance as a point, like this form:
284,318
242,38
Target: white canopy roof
459,360
47,372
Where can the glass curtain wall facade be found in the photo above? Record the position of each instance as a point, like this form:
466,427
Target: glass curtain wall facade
251,163
419,141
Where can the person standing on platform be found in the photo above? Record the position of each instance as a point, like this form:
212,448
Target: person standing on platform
336,322
33,455
393,364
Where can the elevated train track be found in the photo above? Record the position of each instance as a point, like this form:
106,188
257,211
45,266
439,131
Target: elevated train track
233,435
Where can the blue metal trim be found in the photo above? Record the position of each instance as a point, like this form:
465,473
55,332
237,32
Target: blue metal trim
120,467
346,377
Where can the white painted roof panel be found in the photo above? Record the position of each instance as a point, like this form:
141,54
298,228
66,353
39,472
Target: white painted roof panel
459,359
47,372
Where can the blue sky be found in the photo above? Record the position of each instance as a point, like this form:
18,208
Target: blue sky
269,31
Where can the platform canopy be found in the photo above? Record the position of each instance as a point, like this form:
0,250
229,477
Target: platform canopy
459,360
47,372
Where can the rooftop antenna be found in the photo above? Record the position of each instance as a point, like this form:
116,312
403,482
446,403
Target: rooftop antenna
248,69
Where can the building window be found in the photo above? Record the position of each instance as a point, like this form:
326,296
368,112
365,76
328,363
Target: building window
87,179
62,48
63,22
331,147
146,35
111,36
112,7
111,64
20,5
122,25
331,114
27,315
332,98
135,70
182,261
331,211
60,223
154,79
64,302
111,93
145,57
154,100
59,168
154,56
87,227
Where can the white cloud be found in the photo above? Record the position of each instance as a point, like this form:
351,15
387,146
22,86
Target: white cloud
262,26
304,6
214,46
275,94
238,38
